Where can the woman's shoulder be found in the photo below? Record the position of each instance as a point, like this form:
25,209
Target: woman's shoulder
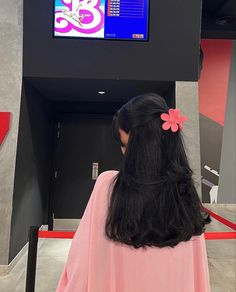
107,174
106,177
104,183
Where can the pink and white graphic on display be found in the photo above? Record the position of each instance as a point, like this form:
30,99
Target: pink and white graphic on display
80,16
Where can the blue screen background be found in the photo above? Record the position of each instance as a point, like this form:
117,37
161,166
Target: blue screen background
119,27
124,27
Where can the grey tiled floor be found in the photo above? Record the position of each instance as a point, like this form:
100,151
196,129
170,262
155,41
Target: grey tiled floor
52,255
222,253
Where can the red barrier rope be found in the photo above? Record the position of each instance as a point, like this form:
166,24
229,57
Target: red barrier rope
221,219
56,234
70,235
219,235
208,235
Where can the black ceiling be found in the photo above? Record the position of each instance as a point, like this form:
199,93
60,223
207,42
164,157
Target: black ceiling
219,19
87,90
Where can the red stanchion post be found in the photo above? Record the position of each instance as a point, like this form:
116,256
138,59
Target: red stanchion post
32,259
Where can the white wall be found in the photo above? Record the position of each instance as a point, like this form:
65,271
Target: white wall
227,180
10,94
187,102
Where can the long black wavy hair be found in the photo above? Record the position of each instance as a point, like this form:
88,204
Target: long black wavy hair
154,201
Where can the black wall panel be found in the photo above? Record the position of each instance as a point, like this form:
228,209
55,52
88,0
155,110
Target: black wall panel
172,52
33,168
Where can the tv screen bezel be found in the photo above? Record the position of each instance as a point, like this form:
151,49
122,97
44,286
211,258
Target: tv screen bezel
104,39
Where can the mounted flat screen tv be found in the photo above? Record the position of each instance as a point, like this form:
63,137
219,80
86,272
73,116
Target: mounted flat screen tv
102,19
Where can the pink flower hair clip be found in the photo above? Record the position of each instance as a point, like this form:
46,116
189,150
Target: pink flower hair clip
173,120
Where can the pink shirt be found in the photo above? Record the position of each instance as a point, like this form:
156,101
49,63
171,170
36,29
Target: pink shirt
96,264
